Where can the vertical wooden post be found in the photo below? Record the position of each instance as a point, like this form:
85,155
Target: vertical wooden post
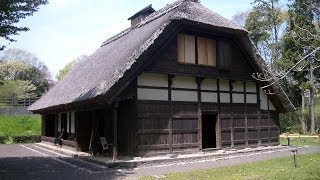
231,114
76,129
259,113
93,133
170,118
136,120
56,125
69,123
115,131
246,114
219,115
199,80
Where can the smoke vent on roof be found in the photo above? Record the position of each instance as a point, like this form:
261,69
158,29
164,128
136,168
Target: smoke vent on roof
141,15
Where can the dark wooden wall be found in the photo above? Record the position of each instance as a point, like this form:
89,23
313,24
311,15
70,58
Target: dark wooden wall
126,127
238,129
155,135
167,126
167,63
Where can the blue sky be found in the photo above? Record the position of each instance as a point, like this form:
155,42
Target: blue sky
65,29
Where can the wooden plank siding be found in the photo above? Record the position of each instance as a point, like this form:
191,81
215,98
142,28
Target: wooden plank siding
175,126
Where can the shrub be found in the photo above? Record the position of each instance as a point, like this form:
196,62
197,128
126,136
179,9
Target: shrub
26,139
290,122
2,139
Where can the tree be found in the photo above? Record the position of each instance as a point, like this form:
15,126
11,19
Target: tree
19,64
240,18
302,47
265,24
11,11
69,66
298,64
17,89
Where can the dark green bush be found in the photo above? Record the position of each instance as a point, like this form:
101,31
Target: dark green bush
290,122
26,139
2,139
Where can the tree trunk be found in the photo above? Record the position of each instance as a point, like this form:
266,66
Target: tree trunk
312,111
302,120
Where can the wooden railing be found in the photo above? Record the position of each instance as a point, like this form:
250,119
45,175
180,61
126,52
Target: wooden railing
17,102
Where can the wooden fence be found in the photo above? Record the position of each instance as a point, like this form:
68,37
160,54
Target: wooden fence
17,102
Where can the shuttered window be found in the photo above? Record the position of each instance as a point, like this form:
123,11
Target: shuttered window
186,48
224,55
206,51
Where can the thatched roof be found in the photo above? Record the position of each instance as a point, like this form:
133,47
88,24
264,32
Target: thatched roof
107,66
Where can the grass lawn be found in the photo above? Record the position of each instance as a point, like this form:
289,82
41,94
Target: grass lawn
282,168
301,141
20,125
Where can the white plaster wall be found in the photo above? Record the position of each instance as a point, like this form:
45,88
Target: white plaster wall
238,98
209,84
184,82
263,100
251,87
238,86
209,97
190,96
152,94
251,98
224,97
68,122
59,122
151,79
224,85
271,106
73,122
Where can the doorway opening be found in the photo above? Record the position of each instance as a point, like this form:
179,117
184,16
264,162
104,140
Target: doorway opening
209,137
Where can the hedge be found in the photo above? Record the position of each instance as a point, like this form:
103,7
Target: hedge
26,139
2,139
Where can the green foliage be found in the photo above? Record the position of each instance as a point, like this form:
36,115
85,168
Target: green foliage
69,66
299,40
265,23
12,12
290,122
17,89
2,139
22,65
26,139
65,70
281,168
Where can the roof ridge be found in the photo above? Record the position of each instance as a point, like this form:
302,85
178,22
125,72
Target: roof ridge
149,18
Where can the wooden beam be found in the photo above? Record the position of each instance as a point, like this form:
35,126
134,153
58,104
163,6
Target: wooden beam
136,120
231,114
171,114
219,144
115,131
246,113
259,113
199,81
